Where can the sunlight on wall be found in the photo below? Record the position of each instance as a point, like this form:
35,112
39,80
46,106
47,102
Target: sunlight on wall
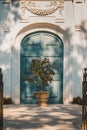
76,39
6,45
78,57
4,67
80,74
68,93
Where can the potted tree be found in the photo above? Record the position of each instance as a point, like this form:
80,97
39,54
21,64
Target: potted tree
42,73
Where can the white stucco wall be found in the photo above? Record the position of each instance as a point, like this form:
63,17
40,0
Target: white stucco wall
75,58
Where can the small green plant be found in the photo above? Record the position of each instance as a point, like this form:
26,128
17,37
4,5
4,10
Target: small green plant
7,100
77,100
42,72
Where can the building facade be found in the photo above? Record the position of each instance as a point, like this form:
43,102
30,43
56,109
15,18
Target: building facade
33,29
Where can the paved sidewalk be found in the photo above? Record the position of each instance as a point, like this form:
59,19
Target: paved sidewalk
53,117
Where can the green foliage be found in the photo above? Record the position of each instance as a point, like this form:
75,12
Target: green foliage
7,100
42,72
77,100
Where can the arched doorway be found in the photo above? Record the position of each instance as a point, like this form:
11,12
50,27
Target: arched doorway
36,45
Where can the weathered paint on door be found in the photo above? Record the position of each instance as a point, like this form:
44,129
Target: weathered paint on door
36,45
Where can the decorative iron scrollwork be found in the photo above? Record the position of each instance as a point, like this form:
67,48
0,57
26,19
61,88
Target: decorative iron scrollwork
1,100
84,100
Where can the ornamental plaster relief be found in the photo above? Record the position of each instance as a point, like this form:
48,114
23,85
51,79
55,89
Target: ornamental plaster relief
42,8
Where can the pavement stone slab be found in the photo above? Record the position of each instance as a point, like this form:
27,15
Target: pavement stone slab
53,117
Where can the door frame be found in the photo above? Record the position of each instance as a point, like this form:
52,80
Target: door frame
58,96
51,28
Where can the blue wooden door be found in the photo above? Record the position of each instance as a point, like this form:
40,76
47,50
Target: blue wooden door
37,45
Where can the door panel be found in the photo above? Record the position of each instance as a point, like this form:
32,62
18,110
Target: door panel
37,45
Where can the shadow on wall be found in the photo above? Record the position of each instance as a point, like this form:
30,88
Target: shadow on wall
8,19
78,58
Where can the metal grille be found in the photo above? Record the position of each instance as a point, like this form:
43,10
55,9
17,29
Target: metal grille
1,100
84,103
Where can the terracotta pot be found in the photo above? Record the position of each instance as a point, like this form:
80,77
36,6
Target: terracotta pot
42,98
